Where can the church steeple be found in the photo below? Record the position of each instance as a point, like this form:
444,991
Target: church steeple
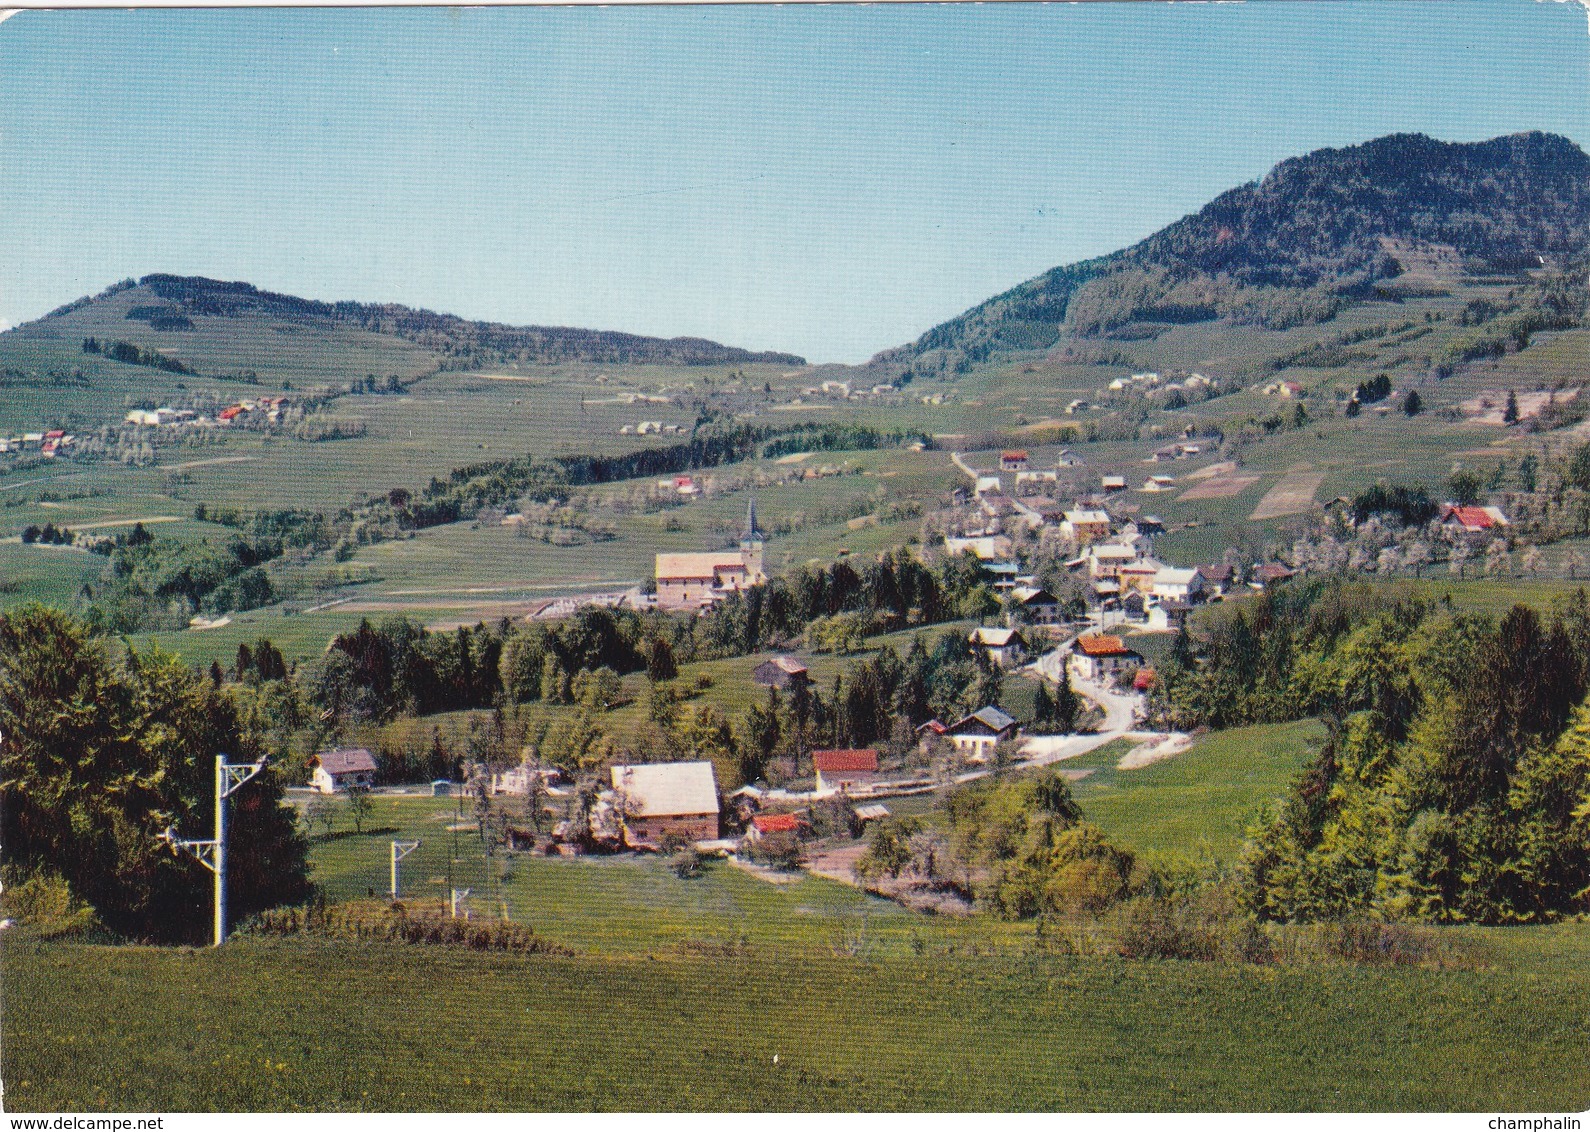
752,531
751,544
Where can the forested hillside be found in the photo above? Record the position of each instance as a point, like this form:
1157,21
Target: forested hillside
1317,233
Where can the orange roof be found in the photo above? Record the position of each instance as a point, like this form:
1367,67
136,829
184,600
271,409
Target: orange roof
1014,454
1099,645
776,823
1475,518
831,762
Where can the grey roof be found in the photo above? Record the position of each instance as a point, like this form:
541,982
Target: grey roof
346,760
666,789
990,717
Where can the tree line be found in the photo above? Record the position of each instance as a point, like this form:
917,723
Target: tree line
1455,782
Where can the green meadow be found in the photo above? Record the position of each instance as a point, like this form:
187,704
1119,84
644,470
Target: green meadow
284,1025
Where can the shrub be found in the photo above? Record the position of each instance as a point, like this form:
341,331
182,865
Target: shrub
47,903
402,923
1152,928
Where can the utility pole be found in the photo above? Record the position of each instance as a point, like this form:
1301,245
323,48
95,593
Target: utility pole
400,849
229,778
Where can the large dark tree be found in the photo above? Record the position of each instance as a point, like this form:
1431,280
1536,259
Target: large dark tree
99,757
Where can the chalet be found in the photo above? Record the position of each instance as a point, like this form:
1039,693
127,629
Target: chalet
1002,647
1067,459
1134,606
661,800
1003,573
781,672
1096,656
1178,584
1158,483
988,485
928,732
1471,520
1148,525
1013,460
845,769
1112,483
1085,526
342,769
977,734
1037,605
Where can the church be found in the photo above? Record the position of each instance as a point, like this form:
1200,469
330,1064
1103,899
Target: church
694,581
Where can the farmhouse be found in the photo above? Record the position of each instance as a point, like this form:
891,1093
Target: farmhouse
1271,573
341,769
977,734
1002,647
1471,520
1096,656
1112,483
663,799
781,672
1217,579
1013,460
845,769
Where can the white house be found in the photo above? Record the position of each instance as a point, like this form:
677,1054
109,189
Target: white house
341,769
1176,584
1096,656
977,735
1003,647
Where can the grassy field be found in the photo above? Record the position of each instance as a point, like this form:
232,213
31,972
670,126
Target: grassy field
1196,804
293,1025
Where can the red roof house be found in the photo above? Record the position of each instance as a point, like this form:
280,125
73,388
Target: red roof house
842,769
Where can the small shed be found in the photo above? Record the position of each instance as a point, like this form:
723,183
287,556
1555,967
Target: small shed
441,788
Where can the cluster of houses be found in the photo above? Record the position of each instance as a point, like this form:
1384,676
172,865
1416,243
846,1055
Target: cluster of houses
1144,381
47,442
269,410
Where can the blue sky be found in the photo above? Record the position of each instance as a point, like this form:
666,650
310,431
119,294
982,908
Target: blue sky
825,180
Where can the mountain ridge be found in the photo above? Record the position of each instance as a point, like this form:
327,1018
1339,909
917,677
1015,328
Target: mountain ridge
179,299
1296,245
